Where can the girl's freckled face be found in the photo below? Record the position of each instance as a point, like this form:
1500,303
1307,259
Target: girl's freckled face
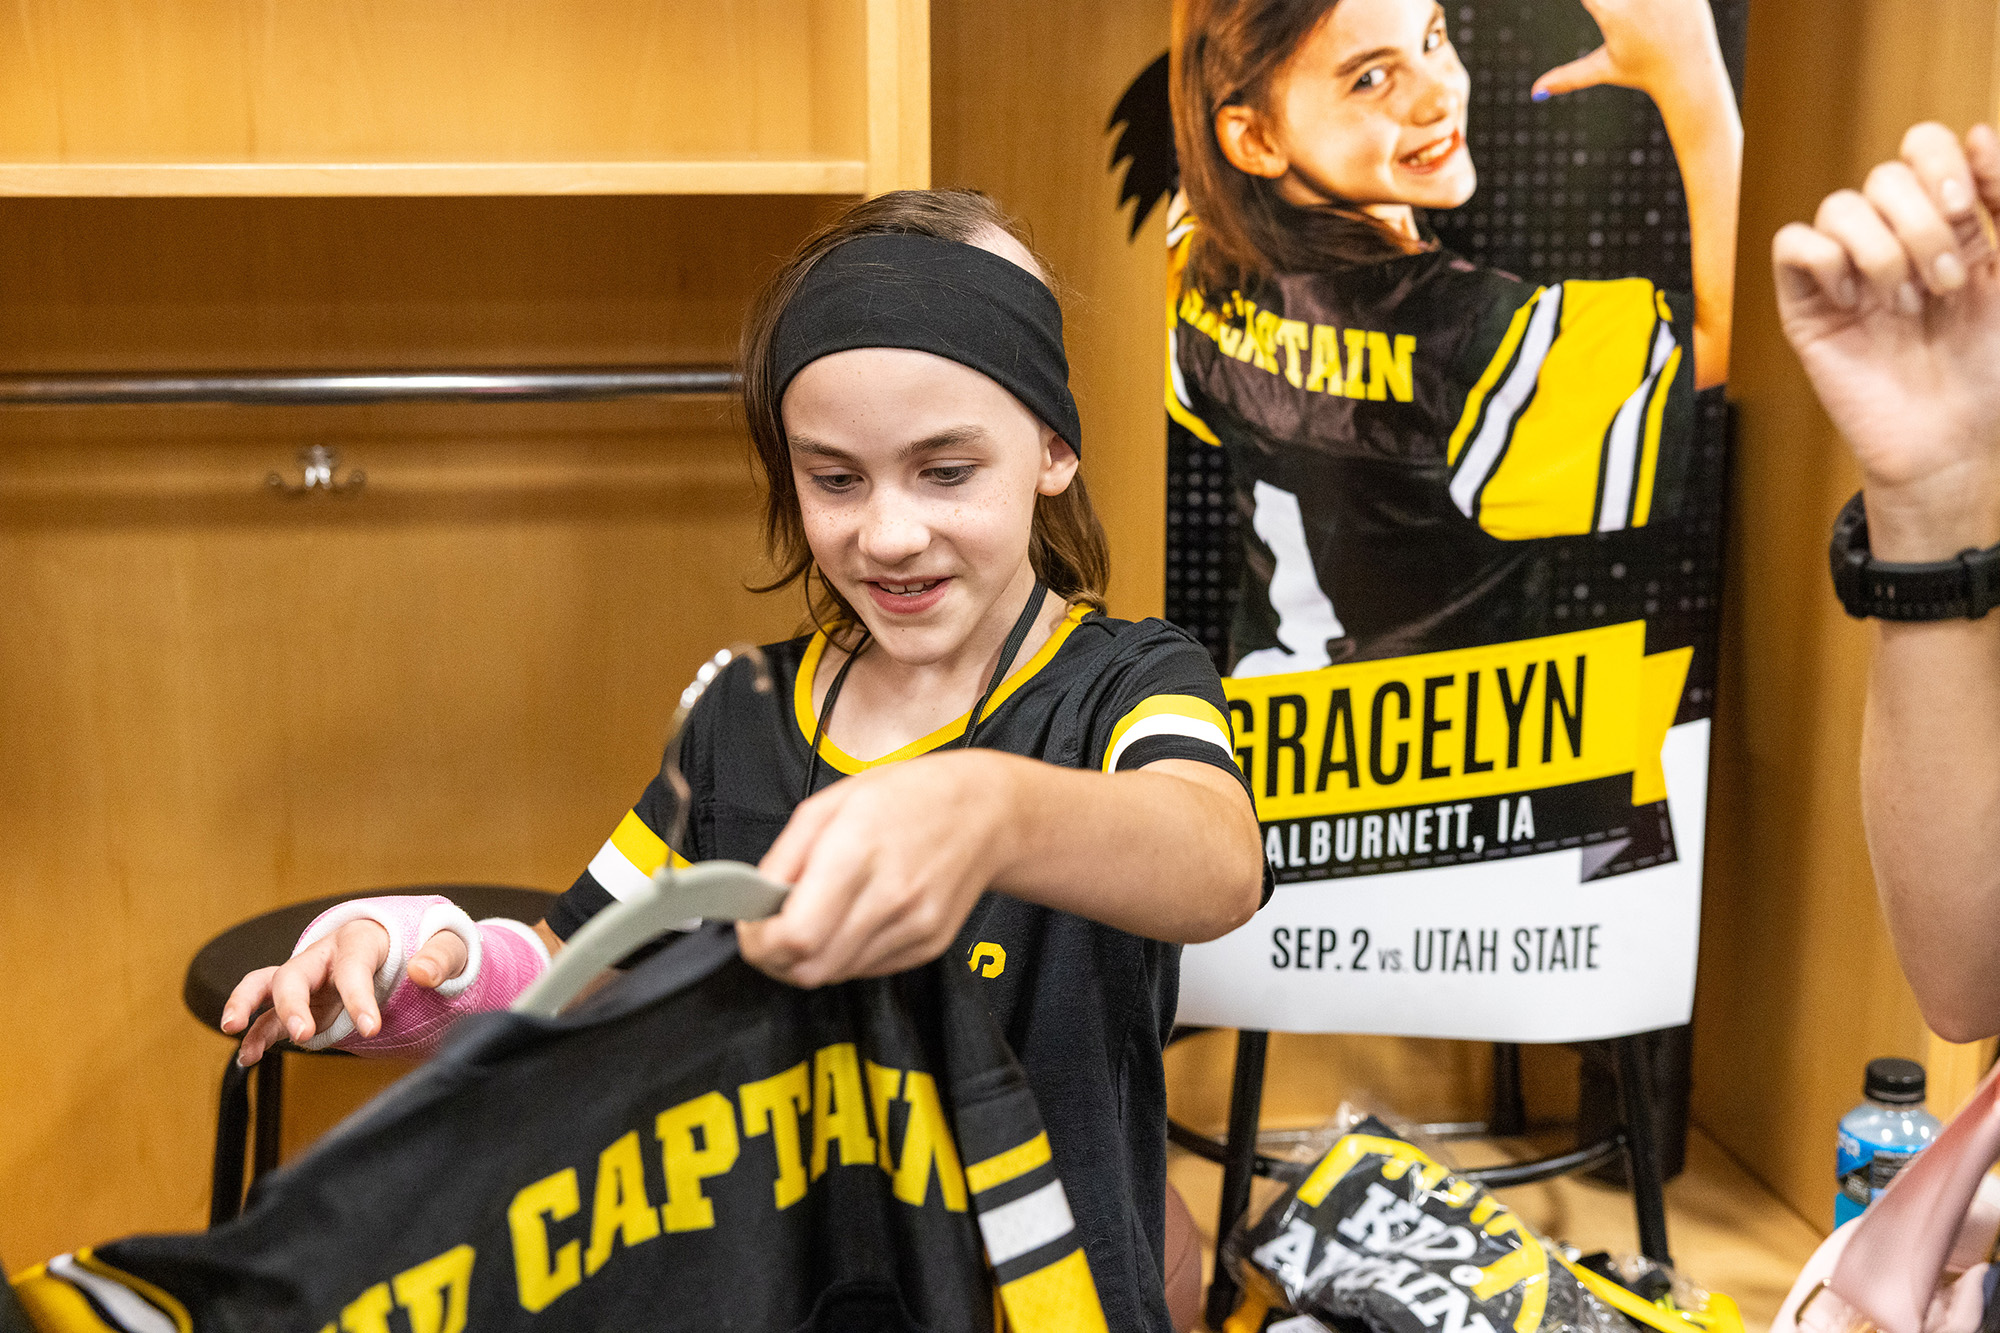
1371,108
917,479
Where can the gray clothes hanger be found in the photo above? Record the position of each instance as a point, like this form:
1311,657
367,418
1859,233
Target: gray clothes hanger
675,900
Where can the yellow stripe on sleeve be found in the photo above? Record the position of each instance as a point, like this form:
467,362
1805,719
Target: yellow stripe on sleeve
1546,482
54,1306
1649,456
87,1259
625,865
1057,1296
1002,1167
1467,419
1170,715
641,846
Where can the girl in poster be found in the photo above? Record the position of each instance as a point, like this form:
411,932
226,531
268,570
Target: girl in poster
1403,426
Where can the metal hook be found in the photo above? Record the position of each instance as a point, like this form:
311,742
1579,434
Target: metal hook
318,464
670,762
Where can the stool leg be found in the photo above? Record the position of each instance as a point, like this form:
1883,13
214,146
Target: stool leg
1642,1154
1246,1101
270,1112
1508,1116
232,1135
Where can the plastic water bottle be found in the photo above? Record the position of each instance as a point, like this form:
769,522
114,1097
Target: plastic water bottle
1879,1137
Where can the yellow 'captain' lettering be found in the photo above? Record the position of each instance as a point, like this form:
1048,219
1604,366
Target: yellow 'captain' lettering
883,1085
688,1163
620,1210
437,1293
1390,372
1291,336
368,1312
1324,375
927,1148
1378,365
1357,340
539,1280
776,1105
840,1108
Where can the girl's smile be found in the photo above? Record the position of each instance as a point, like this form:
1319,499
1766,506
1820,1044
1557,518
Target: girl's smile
1369,111
917,480
1433,156
905,597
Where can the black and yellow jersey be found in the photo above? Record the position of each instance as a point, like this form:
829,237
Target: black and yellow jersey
1086,1008
1401,436
695,1147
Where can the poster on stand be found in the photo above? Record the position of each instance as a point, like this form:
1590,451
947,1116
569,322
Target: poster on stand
1447,327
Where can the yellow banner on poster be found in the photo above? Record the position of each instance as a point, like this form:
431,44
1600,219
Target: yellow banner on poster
1438,727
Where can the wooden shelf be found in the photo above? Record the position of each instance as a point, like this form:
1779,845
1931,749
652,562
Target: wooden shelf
281,179
245,98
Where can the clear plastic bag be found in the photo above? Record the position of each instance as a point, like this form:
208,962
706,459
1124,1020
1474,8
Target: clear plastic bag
1381,1237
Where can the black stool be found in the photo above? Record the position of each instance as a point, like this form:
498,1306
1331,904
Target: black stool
264,941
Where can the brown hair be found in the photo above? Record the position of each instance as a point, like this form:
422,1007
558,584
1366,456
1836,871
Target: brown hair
1229,53
1066,543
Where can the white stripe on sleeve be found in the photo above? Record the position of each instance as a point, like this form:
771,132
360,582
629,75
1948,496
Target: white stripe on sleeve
1028,1223
126,1307
1621,452
618,876
1483,454
1169,724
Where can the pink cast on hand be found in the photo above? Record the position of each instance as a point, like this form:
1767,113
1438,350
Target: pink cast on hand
502,959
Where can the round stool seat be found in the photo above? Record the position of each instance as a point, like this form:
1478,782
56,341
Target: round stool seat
267,940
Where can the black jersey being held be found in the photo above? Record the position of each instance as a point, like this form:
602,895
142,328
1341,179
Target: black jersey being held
1085,1007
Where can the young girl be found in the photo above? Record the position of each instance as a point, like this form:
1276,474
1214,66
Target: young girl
1401,423
968,755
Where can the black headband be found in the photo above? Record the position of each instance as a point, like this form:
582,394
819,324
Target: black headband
950,299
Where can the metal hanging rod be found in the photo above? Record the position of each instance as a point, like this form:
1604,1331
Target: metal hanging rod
315,387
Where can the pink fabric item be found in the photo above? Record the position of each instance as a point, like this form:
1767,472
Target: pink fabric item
1886,1266
1890,1269
502,959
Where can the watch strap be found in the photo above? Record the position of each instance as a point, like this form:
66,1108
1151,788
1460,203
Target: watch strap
1964,587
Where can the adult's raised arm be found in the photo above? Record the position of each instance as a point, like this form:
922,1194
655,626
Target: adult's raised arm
1892,299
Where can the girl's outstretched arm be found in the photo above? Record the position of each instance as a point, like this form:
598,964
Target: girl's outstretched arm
1668,50
887,864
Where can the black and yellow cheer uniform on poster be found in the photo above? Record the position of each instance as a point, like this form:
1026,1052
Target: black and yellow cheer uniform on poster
695,1147
1401,435
1087,1008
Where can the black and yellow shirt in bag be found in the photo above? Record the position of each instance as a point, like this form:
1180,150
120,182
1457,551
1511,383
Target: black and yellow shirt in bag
696,1147
1087,1008
1402,434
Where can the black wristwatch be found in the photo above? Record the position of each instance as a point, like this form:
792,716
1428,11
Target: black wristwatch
1967,586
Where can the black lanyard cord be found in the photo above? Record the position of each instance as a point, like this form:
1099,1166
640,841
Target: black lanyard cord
1015,639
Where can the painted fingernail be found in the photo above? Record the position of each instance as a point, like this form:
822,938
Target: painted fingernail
1847,294
1539,95
1949,272
1954,196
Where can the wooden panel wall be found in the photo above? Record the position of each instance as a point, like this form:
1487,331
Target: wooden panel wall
443,81
1799,986
214,701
